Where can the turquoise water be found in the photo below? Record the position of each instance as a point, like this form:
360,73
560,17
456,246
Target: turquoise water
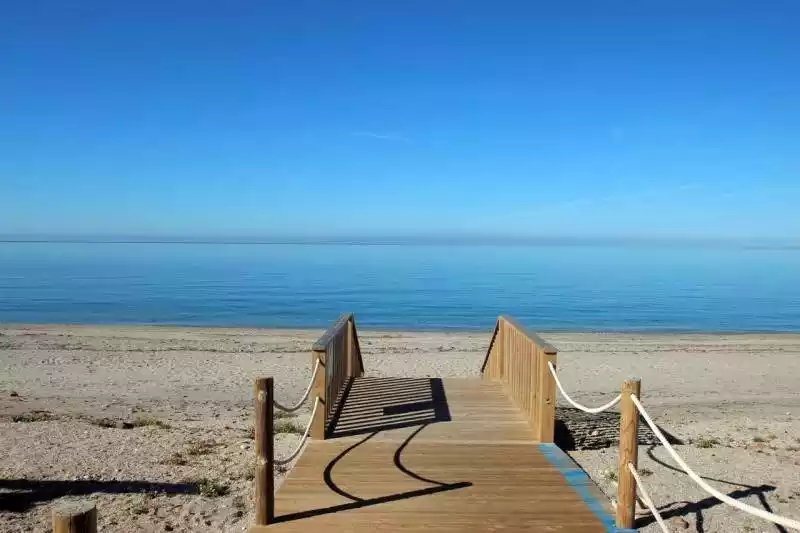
419,287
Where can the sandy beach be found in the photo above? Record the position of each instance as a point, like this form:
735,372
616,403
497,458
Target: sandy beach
154,423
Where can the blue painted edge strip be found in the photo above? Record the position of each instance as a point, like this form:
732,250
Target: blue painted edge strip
580,483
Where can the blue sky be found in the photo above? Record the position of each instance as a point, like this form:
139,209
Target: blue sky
201,118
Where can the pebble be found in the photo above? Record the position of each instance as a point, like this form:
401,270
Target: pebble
679,522
13,394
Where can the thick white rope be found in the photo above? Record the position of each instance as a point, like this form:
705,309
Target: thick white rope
786,522
299,404
296,452
591,410
647,500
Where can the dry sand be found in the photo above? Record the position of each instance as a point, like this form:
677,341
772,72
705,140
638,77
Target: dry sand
733,399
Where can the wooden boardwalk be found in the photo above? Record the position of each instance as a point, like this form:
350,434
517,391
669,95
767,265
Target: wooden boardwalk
427,454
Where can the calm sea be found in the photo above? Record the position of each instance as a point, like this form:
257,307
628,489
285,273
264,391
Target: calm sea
416,287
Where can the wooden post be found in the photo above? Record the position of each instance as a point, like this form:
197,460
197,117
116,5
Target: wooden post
497,347
357,356
545,422
75,517
265,452
501,350
628,453
532,353
349,351
493,364
320,388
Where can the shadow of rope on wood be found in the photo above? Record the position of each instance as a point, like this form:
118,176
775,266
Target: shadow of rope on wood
576,430
357,502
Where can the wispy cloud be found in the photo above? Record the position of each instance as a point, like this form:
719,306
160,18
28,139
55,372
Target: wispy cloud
628,196
393,137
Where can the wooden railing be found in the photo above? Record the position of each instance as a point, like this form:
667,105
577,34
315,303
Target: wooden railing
336,359
339,356
518,359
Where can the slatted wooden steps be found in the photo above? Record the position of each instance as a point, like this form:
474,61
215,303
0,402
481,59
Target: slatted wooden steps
450,455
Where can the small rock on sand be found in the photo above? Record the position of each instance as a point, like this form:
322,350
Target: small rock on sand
679,522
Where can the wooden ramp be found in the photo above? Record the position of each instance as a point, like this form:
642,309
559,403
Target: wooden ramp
420,454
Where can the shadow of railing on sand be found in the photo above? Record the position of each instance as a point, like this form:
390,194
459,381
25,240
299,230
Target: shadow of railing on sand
19,495
668,510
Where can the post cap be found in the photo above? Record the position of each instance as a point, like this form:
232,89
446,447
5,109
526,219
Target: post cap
73,508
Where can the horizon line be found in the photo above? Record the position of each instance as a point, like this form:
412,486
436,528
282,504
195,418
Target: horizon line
411,240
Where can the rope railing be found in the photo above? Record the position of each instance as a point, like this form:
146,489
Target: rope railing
299,404
292,456
647,500
590,410
772,517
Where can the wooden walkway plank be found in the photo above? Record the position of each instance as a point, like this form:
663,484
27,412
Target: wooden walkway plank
439,455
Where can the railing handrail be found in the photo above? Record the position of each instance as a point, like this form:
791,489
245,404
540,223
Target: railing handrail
540,342
331,333
546,347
